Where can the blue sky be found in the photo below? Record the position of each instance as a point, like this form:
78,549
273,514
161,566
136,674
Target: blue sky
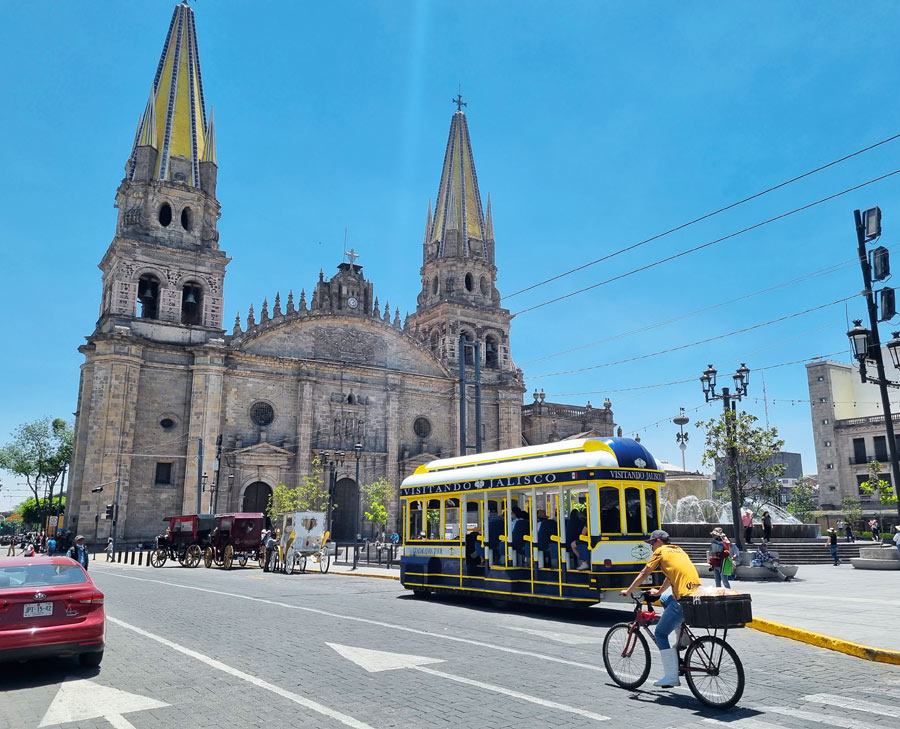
594,126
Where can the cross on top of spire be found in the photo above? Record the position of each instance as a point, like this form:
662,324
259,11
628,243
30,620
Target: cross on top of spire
352,255
459,102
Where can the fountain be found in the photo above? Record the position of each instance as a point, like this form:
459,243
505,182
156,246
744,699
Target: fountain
691,516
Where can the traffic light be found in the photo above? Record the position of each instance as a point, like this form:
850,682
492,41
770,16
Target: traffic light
109,511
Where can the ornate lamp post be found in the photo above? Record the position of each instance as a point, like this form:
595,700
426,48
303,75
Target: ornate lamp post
356,448
326,459
681,437
728,398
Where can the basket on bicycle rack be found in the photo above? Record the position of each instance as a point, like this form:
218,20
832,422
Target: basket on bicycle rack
717,611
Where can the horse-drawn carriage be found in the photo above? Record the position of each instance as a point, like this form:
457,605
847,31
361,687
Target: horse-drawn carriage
185,540
234,538
303,536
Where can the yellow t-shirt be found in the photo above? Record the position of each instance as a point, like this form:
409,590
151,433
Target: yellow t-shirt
677,566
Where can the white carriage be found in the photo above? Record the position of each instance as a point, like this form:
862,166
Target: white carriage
303,537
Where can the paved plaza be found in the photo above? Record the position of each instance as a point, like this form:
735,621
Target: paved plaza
208,648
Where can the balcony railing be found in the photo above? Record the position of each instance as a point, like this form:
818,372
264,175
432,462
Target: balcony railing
867,459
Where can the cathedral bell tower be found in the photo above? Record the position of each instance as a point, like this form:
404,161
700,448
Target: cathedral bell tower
459,296
163,272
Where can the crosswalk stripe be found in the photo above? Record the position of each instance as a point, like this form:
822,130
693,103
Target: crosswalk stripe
893,693
843,702
835,721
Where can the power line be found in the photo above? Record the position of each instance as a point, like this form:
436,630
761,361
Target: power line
665,322
694,344
708,244
701,218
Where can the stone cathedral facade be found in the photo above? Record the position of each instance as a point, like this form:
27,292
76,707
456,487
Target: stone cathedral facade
170,400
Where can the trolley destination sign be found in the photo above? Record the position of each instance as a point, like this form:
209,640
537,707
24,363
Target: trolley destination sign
537,479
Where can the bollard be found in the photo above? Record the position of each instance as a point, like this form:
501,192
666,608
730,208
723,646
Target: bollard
132,558
140,559
119,557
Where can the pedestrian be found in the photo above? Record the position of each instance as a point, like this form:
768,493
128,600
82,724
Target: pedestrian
767,526
109,549
897,537
29,550
11,550
78,552
718,553
875,529
271,545
747,521
51,545
848,532
681,575
735,559
833,544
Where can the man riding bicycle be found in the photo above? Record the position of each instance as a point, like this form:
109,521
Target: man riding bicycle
681,576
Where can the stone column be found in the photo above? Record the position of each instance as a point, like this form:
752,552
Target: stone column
205,422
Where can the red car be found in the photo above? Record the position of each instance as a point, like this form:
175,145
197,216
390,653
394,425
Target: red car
49,607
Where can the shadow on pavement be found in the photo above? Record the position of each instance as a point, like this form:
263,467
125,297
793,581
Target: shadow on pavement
43,672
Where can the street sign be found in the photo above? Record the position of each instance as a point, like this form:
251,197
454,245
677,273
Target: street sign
53,520
80,699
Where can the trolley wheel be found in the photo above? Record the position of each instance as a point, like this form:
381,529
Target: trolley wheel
242,559
158,557
290,557
193,555
228,557
714,672
324,561
208,556
626,655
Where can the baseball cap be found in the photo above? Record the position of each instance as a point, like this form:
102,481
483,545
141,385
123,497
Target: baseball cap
658,534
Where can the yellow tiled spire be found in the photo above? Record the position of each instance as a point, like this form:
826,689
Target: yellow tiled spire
175,120
458,203
209,153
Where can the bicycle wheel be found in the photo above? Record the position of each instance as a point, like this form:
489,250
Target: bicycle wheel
714,672
626,655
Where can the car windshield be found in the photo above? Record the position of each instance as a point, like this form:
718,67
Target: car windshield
33,575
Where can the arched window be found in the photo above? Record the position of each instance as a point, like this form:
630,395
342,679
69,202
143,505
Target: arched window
187,219
434,285
470,282
435,343
148,296
165,215
191,303
469,347
491,352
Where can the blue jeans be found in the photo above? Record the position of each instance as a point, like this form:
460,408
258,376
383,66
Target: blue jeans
720,577
834,554
672,617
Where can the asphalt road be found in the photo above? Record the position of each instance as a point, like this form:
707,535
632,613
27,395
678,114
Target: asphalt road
208,648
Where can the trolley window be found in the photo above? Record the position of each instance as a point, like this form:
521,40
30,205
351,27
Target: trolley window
433,517
415,520
610,515
633,523
451,519
473,516
650,509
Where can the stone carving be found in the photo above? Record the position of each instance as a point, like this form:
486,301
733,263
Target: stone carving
352,346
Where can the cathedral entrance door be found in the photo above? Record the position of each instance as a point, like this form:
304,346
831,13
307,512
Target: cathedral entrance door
256,499
345,495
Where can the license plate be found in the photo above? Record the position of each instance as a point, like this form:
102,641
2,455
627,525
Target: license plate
38,609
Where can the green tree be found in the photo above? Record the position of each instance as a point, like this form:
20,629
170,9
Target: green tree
39,453
33,510
802,501
747,452
376,497
852,509
310,494
874,484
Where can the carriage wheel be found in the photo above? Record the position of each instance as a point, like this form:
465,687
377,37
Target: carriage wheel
208,556
193,555
324,561
242,559
158,557
182,558
228,558
261,557
290,557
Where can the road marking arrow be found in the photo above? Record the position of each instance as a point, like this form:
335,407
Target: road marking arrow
79,699
374,661
567,638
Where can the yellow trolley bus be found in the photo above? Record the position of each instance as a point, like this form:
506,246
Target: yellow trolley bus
557,523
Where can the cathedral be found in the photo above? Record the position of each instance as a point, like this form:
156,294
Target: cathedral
174,408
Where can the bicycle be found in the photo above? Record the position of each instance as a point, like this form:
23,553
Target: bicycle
713,671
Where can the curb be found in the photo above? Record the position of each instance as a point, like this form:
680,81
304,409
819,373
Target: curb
364,574
878,655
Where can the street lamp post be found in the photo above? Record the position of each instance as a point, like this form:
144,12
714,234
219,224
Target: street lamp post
681,437
356,448
332,463
866,343
728,398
